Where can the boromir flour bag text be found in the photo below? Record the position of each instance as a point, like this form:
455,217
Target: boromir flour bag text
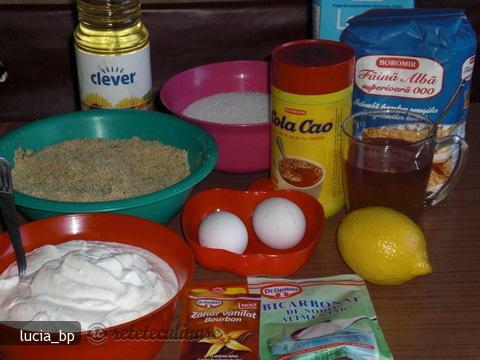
415,59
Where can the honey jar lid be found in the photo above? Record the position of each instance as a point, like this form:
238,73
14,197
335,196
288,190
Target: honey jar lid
313,67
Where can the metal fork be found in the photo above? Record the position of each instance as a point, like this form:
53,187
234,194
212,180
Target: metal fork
7,204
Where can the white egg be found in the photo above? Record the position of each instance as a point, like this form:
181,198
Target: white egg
279,223
223,230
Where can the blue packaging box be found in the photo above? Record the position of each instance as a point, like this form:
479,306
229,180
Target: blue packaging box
330,16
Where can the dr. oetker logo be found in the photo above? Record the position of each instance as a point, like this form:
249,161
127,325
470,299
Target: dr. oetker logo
281,291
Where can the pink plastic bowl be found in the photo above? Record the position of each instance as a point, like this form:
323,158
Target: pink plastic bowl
241,148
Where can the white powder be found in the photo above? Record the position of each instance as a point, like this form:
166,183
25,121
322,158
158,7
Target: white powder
86,281
232,108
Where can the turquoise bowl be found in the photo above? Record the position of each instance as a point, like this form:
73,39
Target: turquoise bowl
159,206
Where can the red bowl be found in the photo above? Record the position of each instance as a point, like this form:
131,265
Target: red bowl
241,147
125,229
258,259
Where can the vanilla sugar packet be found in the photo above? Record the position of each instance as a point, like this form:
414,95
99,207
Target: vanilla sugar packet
320,318
224,322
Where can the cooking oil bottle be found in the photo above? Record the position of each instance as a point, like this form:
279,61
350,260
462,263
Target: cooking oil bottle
113,55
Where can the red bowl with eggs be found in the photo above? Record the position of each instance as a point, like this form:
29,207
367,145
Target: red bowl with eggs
258,259
103,343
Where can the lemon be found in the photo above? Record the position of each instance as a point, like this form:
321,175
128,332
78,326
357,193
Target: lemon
383,246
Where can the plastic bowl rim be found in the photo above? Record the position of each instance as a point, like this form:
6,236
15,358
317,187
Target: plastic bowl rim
31,202
206,122
171,301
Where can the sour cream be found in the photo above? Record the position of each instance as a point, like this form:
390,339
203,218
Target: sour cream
86,281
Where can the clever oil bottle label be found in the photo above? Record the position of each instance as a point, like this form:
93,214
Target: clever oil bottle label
115,81
306,144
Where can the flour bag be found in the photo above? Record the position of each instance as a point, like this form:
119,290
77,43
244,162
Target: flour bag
415,59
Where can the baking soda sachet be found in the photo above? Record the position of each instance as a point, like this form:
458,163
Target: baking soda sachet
321,318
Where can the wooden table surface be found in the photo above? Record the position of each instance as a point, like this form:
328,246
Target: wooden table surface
432,317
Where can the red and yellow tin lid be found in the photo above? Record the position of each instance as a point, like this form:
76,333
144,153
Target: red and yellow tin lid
313,67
